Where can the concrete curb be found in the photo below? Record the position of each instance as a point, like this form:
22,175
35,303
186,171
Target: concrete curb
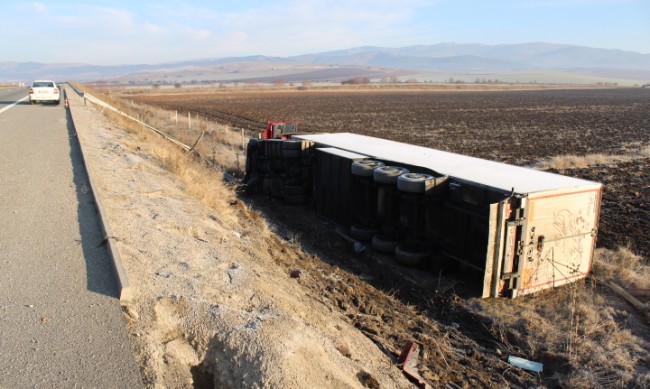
126,293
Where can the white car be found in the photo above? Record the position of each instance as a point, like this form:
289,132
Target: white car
44,91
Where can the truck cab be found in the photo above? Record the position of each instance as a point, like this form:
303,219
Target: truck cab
279,130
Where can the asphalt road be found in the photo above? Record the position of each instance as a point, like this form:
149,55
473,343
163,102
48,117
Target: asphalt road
61,324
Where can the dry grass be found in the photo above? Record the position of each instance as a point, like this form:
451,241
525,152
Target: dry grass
645,152
197,178
623,267
571,161
565,162
577,331
218,143
573,331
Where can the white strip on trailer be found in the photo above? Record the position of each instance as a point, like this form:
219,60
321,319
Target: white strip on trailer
493,174
343,153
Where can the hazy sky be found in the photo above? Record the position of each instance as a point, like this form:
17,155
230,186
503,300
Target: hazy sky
128,32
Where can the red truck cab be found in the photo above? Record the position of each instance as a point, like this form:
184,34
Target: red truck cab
279,130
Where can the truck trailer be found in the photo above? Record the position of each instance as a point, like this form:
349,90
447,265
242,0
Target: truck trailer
521,229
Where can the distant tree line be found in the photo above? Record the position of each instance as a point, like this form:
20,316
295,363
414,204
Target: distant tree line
357,81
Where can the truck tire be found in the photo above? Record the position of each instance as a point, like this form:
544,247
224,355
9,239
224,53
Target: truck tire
362,233
365,167
388,174
383,245
409,258
415,182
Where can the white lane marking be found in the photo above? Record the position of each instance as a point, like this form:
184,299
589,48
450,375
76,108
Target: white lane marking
6,108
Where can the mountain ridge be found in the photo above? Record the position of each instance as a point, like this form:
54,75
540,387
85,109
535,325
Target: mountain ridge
446,57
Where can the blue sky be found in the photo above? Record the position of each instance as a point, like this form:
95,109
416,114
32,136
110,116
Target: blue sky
128,32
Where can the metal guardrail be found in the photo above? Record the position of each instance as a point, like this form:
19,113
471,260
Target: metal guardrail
170,138
77,91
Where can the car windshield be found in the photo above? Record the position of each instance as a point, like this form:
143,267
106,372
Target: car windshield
43,84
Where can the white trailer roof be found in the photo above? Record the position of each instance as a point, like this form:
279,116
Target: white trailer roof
343,153
493,174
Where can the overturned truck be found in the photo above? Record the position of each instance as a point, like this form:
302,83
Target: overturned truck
521,229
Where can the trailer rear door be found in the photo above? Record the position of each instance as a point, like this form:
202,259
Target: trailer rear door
559,235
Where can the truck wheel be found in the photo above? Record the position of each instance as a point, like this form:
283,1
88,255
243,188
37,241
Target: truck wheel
386,246
415,182
362,233
364,168
409,258
388,174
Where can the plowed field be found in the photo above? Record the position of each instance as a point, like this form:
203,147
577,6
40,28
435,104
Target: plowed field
517,127
584,335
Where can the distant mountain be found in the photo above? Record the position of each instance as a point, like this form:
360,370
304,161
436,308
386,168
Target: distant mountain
443,57
544,56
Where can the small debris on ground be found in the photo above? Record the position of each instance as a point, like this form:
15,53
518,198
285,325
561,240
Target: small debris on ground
525,364
130,312
368,381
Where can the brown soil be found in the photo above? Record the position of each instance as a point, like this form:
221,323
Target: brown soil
466,341
518,127
625,211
